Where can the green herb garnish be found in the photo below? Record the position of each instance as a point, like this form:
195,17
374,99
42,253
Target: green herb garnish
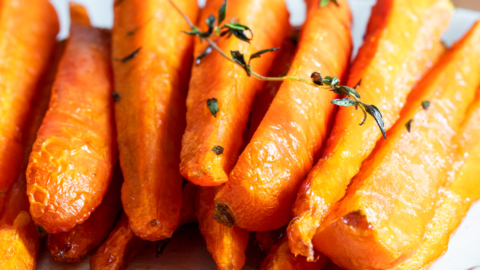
218,150
408,125
116,96
425,104
212,105
131,56
324,3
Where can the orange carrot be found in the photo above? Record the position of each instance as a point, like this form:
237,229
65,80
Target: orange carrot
456,196
27,38
382,219
398,49
262,186
151,67
73,246
19,238
72,159
189,194
119,249
267,239
227,245
211,141
279,258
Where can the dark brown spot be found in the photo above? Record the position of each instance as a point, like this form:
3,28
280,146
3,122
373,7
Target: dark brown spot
224,215
161,246
154,222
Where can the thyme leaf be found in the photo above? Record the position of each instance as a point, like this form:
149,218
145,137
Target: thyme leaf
212,105
222,12
425,104
218,150
259,53
324,3
131,56
239,58
202,55
408,125
344,102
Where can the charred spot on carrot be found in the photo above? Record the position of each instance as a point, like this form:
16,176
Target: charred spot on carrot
224,215
218,150
212,105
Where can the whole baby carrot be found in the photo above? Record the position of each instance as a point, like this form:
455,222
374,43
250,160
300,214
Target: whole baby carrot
398,50
72,159
461,189
382,219
212,139
226,244
262,186
27,38
19,238
151,60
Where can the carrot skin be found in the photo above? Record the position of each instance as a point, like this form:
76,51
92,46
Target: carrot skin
280,257
385,84
19,238
383,217
262,186
119,249
461,189
227,245
151,60
74,245
27,41
216,77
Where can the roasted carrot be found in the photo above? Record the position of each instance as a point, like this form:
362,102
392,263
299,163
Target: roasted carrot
267,239
19,238
73,246
119,248
382,219
262,186
27,38
151,67
217,78
189,194
399,48
281,258
461,189
226,244
280,67
73,156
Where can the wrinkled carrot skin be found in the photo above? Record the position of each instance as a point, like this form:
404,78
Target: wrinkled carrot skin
27,38
398,50
73,246
262,186
189,195
382,219
280,258
119,249
456,196
280,67
267,239
216,77
150,113
72,159
19,238
226,244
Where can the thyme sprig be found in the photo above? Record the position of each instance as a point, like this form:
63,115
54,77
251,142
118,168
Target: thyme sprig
238,30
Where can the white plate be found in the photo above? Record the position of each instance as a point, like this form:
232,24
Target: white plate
187,249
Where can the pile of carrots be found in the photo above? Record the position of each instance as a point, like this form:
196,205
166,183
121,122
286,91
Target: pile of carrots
108,139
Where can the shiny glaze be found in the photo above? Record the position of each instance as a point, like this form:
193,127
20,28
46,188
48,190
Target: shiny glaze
402,43
19,238
264,182
216,77
74,245
150,114
461,189
227,245
119,248
281,258
382,219
27,38
72,159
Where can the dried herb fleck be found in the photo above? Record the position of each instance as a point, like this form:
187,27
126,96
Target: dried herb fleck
218,150
425,104
212,105
116,96
408,125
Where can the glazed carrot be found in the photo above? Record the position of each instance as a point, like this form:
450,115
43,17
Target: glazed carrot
189,194
72,159
19,238
227,245
267,239
280,258
456,196
119,248
216,77
262,186
280,67
382,219
73,246
27,38
398,49
151,67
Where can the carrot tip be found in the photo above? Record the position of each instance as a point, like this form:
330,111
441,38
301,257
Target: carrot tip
223,215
